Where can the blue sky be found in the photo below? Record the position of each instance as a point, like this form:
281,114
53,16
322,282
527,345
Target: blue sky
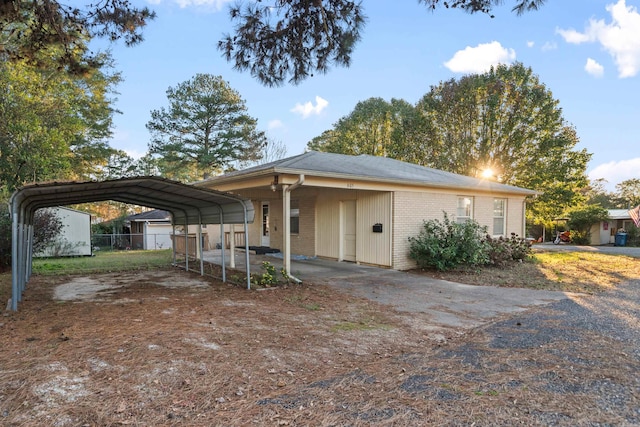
587,52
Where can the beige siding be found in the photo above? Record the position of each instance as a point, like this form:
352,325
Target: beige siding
374,208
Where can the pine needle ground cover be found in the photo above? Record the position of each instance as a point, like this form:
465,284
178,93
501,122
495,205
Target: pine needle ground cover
162,347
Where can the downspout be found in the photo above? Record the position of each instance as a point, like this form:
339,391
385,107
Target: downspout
286,201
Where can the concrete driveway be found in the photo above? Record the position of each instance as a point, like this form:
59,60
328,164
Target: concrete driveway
447,304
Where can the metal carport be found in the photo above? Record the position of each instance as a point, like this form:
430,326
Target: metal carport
187,204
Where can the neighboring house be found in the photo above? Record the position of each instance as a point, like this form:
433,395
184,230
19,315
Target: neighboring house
75,236
150,230
604,233
363,208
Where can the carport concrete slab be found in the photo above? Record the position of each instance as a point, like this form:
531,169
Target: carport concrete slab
449,304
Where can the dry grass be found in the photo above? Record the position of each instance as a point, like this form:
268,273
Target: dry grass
562,271
165,347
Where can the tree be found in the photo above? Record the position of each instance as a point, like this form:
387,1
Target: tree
52,125
597,194
289,40
628,193
204,129
375,127
581,218
274,149
31,30
47,226
506,120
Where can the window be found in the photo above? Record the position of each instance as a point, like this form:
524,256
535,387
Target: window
465,209
498,216
294,218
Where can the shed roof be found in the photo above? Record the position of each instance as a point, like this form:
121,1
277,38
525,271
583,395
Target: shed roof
186,203
371,168
619,214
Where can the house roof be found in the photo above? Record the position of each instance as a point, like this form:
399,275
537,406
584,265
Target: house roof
152,215
366,167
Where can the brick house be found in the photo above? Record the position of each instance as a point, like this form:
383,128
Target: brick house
363,208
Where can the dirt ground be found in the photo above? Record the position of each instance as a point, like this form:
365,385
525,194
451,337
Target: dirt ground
165,347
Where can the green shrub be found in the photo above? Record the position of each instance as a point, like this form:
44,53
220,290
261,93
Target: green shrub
633,236
503,250
445,245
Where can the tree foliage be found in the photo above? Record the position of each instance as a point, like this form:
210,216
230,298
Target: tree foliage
504,119
47,226
375,127
290,40
52,125
205,128
279,41
30,30
628,193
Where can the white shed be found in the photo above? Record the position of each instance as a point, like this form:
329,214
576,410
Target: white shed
75,236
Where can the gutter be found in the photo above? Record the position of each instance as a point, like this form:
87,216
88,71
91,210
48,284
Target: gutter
286,202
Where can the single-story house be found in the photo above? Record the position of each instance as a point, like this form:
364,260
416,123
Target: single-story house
604,233
150,230
75,235
363,208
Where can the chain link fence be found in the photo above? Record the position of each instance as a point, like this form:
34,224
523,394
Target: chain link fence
124,242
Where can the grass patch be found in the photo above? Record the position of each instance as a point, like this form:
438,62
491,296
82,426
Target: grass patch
584,272
361,325
103,262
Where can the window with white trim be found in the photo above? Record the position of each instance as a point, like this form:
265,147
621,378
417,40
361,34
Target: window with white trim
464,212
294,217
499,215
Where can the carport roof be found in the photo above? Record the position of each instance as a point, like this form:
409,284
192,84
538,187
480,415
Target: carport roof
186,203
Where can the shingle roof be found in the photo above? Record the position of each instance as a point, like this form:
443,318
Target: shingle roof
371,168
155,214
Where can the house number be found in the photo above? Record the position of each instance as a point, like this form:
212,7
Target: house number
350,185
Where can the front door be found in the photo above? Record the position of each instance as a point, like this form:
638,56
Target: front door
348,227
265,241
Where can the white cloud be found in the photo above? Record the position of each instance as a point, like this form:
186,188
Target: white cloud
549,46
307,109
214,4
594,68
620,37
275,124
617,171
480,58
572,36
531,44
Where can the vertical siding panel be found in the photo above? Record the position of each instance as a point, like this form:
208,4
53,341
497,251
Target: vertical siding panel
374,208
328,226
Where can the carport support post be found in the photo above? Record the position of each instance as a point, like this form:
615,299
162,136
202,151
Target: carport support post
286,225
232,246
246,247
14,261
223,261
173,230
186,243
199,246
